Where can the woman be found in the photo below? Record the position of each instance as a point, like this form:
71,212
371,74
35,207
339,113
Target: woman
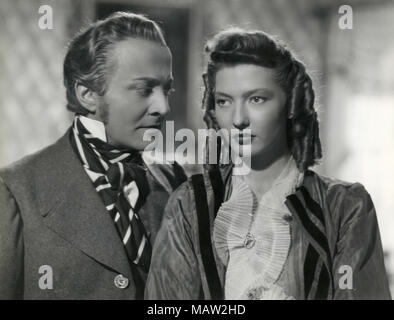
281,231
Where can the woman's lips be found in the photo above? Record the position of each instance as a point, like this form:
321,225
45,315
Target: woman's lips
243,138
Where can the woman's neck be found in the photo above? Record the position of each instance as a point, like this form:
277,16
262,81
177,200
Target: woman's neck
263,174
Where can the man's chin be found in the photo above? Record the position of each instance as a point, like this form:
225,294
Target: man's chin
138,146
135,144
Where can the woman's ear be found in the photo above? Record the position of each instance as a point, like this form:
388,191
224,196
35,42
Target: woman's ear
87,98
288,109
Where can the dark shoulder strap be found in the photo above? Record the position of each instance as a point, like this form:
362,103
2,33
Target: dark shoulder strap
218,187
204,230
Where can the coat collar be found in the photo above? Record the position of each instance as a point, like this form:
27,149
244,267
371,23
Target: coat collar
72,208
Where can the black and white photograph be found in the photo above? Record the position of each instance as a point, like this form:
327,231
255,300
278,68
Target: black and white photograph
217,150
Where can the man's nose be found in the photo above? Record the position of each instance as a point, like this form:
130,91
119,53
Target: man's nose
241,117
160,105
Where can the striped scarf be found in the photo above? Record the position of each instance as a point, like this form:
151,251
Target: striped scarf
115,172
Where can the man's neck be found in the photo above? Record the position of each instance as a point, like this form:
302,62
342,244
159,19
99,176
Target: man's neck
95,127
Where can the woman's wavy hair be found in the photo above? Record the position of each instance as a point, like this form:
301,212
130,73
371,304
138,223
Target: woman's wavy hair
238,46
87,54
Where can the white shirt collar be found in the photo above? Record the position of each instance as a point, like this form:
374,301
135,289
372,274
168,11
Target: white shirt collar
95,127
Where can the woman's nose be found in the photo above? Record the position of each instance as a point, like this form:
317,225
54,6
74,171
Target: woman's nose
241,118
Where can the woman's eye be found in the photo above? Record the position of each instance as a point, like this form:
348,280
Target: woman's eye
258,100
222,102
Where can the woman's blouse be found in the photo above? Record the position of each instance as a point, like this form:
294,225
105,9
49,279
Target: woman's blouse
253,237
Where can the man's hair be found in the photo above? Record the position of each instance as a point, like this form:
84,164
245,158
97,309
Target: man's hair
86,59
237,46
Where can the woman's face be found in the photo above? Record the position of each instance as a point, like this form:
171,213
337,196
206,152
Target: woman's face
248,97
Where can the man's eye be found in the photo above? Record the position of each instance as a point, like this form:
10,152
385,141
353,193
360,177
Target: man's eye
169,91
257,100
145,92
222,102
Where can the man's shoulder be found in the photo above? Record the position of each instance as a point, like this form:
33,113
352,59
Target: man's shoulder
38,162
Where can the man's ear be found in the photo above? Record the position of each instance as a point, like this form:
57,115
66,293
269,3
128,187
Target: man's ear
86,97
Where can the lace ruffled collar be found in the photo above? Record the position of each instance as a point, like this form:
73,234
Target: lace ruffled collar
253,237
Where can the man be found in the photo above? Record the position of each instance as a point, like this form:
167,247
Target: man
78,219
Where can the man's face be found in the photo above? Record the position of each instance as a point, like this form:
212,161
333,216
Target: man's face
138,84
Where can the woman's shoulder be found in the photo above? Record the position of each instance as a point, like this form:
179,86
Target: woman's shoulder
344,199
169,174
182,201
334,186
181,194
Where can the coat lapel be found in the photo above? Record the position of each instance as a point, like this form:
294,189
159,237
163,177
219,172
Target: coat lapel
72,208
317,264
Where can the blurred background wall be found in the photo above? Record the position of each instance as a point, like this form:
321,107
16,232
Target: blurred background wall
353,73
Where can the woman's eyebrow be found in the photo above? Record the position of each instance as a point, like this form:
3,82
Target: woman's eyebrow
264,91
218,93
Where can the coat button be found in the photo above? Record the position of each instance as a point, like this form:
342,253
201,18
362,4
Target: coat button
121,282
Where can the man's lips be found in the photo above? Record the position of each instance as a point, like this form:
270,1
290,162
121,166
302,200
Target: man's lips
152,126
